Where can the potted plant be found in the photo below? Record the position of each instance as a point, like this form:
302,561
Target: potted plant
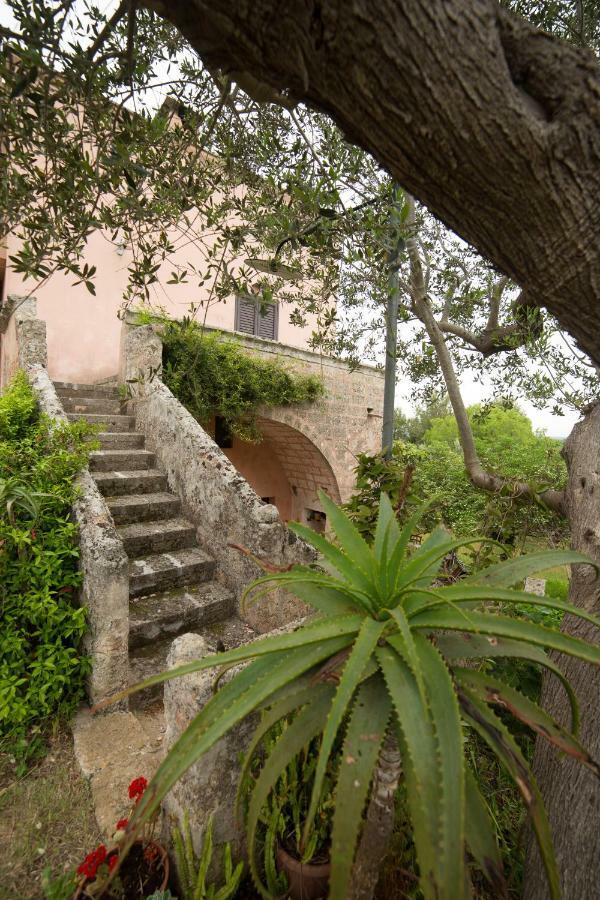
127,870
384,655
291,868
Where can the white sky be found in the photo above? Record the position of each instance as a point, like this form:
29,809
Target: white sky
474,391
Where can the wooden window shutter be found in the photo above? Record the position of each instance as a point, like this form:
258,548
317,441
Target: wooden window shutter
267,322
246,313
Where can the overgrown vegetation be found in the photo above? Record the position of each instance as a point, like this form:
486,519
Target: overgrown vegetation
212,376
428,463
41,668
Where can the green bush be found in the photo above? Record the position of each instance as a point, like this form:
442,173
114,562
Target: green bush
41,669
212,376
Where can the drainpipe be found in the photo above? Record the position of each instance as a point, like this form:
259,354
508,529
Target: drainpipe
391,321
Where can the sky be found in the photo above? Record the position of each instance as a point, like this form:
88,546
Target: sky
473,391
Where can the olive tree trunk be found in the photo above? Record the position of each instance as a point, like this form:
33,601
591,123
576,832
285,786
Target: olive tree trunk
571,791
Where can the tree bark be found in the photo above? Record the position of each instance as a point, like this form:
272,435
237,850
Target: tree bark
491,123
379,822
571,791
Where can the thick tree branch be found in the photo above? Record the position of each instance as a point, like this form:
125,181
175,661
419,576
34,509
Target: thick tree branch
489,122
481,478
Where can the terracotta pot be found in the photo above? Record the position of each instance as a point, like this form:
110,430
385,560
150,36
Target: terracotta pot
162,863
307,881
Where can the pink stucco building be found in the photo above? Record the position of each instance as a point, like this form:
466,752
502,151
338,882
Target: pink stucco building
304,448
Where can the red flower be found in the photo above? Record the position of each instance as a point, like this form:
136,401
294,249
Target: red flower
122,824
89,866
112,861
137,788
33,534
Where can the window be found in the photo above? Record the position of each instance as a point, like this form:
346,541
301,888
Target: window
223,435
254,317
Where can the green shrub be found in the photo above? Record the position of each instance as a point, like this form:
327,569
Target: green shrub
212,376
41,669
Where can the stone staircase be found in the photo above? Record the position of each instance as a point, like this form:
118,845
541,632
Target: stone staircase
171,579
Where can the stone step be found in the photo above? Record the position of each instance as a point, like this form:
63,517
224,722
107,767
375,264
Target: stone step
140,481
97,391
143,507
119,460
150,659
120,440
114,423
170,613
161,571
104,405
140,538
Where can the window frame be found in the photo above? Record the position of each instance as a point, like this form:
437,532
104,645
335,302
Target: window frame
248,298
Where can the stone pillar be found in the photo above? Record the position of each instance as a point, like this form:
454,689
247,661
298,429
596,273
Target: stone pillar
140,356
209,787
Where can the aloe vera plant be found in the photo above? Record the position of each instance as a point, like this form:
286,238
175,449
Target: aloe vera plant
385,653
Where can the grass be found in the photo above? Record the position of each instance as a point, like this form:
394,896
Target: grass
46,820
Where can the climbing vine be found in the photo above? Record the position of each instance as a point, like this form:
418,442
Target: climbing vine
213,376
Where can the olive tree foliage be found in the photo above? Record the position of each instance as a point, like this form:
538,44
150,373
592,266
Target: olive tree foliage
92,147
111,124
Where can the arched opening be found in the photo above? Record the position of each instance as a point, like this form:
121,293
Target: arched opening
287,469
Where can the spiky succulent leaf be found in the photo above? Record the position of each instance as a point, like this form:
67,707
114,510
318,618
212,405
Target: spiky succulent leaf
364,645
234,701
421,763
493,690
478,646
445,716
498,737
503,626
508,572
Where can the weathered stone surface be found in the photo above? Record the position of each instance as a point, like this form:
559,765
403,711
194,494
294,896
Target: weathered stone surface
143,507
157,616
209,787
160,571
112,750
103,562
140,356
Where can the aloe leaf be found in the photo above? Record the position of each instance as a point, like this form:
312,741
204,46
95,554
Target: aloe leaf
421,765
492,690
238,698
446,720
386,529
460,593
475,646
302,691
401,545
349,537
499,739
205,858
358,599
362,649
404,643
326,599
345,565
364,737
313,632
481,837
306,725
510,571
503,626
423,566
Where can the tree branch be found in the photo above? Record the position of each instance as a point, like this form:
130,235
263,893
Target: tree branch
481,478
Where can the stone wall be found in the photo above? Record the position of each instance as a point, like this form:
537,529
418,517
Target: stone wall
345,422
102,558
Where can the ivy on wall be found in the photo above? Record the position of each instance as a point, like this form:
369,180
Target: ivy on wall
212,376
